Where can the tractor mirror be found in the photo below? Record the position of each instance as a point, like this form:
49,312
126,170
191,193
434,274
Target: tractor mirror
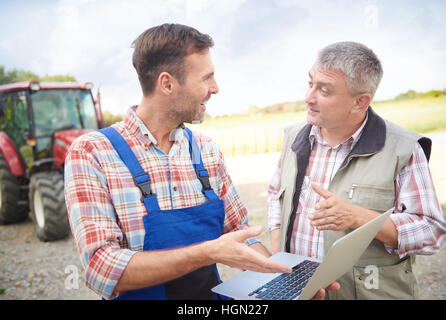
2,111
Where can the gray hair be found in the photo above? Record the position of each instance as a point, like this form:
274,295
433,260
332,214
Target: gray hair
360,65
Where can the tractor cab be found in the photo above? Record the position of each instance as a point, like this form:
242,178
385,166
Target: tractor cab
38,123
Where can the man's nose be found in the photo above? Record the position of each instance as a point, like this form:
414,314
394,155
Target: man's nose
310,97
214,88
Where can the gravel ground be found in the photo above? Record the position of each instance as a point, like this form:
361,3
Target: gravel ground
30,269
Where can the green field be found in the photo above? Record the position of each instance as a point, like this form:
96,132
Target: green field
419,115
243,134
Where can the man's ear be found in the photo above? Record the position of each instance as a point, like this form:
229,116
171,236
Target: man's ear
166,83
362,101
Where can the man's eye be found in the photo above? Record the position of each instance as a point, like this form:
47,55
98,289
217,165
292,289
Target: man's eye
310,84
324,91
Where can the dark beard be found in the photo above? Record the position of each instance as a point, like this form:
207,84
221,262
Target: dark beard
179,114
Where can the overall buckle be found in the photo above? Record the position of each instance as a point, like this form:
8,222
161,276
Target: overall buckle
143,186
204,178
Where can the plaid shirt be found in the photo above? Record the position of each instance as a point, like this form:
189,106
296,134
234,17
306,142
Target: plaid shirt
418,217
104,206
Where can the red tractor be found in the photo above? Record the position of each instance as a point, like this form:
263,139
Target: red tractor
38,122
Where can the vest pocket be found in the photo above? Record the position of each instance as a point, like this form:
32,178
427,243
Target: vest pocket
386,282
372,197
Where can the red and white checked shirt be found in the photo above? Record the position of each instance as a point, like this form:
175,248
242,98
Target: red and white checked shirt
104,206
418,217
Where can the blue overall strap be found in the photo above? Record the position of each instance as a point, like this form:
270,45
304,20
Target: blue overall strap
197,162
140,177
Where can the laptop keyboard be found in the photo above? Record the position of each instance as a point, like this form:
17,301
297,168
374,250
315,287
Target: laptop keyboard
287,286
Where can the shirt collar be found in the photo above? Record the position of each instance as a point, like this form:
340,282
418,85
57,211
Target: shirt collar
136,127
315,135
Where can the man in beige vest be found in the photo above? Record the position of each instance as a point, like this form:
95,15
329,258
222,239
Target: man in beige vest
345,166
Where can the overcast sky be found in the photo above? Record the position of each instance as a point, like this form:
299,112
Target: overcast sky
263,48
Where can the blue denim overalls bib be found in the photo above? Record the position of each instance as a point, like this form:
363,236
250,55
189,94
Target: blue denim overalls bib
168,229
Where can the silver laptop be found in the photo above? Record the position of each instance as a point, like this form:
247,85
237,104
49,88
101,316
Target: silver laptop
309,275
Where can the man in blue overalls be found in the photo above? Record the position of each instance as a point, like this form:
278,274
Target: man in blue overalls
150,203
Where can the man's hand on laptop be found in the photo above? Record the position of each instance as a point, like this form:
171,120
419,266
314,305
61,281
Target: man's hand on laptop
320,295
230,249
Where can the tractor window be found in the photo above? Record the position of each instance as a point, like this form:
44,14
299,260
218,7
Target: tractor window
60,109
80,110
15,120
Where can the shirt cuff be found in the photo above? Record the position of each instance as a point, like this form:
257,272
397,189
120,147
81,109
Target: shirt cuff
103,282
271,228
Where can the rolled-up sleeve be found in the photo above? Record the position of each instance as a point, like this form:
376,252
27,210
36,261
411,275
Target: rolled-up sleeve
418,217
93,220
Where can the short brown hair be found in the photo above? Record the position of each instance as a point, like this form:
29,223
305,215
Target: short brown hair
163,48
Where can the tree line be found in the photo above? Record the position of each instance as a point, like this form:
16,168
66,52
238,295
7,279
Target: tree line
19,75
412,94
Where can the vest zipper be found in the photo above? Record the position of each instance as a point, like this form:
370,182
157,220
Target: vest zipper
352,189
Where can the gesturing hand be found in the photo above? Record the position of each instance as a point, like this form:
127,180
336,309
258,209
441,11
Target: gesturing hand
332,212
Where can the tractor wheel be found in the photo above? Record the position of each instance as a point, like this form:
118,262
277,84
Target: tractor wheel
12,207
47,203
